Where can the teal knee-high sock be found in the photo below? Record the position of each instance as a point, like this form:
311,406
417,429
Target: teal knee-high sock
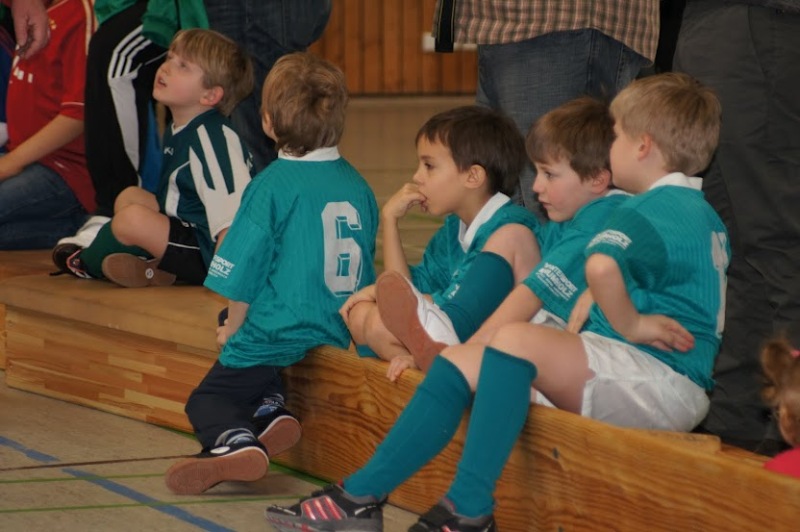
423,429
504,386
103,245
485,285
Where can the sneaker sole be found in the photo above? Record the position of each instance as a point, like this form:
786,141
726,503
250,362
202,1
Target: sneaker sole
397,306
286,523
132,272
193,476
281,435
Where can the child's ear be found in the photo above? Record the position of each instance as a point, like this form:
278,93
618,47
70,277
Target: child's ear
212,96
476,176
601,180
645,147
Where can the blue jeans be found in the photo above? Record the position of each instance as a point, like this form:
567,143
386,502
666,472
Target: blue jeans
267,29
529,78
37,208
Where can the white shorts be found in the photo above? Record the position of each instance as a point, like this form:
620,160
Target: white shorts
631,388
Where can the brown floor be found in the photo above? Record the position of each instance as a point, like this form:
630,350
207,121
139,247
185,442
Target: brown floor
66,467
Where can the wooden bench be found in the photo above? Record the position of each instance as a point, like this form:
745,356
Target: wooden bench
139,353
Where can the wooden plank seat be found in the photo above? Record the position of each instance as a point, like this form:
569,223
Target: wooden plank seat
139,353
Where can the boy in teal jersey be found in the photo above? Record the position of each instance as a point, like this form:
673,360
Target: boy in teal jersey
302,242
469,158
156,239
664,251
569,147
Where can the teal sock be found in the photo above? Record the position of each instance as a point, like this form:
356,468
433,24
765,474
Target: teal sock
424,428
103,245
498,415
485,285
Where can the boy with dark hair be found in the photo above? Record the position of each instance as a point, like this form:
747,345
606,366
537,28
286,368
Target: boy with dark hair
156,239
660,261
303,240
469,157
569,147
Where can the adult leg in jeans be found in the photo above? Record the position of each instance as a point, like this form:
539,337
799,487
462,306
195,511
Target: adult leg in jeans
37,207
529,78
754,183
267,29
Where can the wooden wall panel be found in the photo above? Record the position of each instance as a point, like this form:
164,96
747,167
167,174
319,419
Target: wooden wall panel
378,45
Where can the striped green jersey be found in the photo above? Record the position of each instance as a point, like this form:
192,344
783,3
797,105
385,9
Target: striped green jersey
205,170
453,248
673,251
302,242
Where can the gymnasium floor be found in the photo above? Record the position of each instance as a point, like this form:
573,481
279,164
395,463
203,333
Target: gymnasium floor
64,467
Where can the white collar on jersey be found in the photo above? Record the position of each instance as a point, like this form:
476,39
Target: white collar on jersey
318,155
467,234
678,179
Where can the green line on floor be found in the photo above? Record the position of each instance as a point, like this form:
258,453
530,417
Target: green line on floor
210,500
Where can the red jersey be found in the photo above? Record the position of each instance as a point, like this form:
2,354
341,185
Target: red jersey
787,462
52,83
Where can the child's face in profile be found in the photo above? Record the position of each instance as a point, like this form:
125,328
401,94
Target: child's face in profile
560,189
624,165
438,178
179,82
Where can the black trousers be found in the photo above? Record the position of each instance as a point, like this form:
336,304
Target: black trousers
227,398
120,70
750,55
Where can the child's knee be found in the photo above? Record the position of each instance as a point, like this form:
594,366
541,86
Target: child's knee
357,320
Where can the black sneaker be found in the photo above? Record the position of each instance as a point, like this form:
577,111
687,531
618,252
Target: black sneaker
327,510
62,253
245,460
443,517
278,430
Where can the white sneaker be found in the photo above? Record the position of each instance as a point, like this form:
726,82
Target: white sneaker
88,231
420,325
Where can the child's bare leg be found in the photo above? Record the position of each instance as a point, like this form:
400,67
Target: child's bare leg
135,196
356,321
518,246
138,225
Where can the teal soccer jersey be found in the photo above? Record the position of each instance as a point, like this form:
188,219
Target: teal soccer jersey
302,242
205,170
452,249
673,252
558,280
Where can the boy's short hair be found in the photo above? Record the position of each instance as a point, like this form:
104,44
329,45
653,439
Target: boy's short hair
580,131
305,98
225,64
681,115
482,136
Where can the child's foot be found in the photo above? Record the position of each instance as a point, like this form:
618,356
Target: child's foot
131,271
443,517
329,509
244,460
61,254
419,324
278,430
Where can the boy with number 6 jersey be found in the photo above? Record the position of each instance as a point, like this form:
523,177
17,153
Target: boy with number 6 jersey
301,243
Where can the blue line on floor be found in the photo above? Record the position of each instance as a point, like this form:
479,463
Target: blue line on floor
119,489
172,511
30,453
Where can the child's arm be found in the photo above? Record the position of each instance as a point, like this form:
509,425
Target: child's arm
237,311
608,290
520,305
394,258
60,131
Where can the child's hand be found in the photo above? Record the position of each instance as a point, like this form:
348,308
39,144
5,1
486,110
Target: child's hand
661,332
580,312
398,365
365,294
398,205
222,334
